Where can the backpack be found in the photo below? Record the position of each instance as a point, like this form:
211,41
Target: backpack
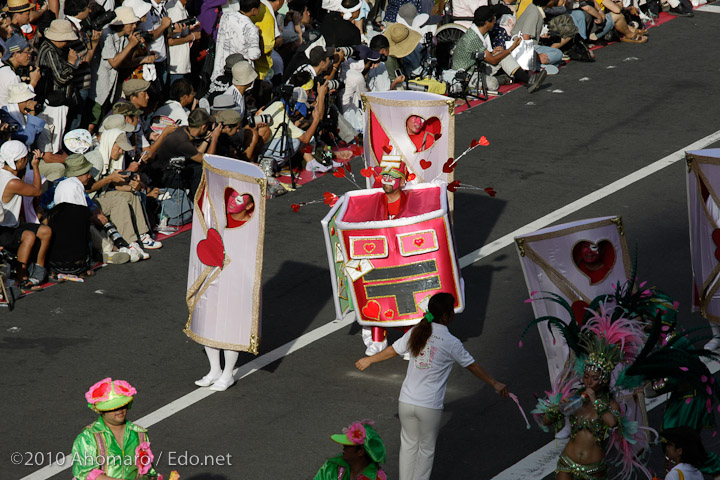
579,50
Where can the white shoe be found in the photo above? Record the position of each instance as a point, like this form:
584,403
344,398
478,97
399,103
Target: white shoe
375,347
148,243
713,344
116,258
134,255
207,380
221,384
143,254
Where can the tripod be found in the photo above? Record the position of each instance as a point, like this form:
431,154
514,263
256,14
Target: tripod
285,151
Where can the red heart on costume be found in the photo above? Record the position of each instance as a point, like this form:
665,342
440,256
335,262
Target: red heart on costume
366,172
716,240
449,167
424,164
411,177
437,136
452,186
356,150
332,230
387,149
474,143
371,310
330,198
419,241
490,191
389,314
483,141
578,307
211,251
295,207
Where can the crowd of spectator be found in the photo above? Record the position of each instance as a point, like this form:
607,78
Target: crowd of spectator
107,107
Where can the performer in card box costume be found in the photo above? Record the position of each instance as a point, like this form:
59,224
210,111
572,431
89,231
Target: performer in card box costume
226,254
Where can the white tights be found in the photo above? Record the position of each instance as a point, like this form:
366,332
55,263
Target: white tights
231,357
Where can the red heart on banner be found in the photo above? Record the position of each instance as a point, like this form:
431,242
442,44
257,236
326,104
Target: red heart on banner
452,186
330,198
449,167
411,177
387,149
490,191
716,240
424,164
483,141
578,307
371,310
339,173
437,136
211,251
295,207
389,314
366,172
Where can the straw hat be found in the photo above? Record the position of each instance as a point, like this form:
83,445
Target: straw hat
60,31
19,93
17,6
402,39
125,15
139,7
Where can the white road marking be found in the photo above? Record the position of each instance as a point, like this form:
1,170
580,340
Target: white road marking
709,8
262,361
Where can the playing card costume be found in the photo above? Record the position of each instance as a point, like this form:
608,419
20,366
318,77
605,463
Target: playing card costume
703,190
578,261
226,255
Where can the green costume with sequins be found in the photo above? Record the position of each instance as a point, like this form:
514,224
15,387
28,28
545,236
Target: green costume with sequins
96,449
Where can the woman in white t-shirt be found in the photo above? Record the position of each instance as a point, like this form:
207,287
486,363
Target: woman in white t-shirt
433,351
684,450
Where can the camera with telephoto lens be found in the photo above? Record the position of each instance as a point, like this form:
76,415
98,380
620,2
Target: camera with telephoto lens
478,56
416,87
346,51
147,37
186,23
286,92
334,85
176,163
253,120
97,22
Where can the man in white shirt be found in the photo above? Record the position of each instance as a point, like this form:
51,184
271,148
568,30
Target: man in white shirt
243,78
182,96
237,34
16,54
156,22
180,42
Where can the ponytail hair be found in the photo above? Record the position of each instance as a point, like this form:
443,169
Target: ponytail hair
440,310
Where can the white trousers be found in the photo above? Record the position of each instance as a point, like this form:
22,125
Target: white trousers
419,428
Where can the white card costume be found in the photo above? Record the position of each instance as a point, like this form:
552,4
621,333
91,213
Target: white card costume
703,189
224,275
386,114
578,261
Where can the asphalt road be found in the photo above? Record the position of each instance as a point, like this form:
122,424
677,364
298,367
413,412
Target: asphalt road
546,150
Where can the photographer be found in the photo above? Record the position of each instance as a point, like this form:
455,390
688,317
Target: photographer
117,55
16,58
323,62
338,27
243,77
236,141
57,88
182,98
378,78
179,43
301,127
155,22
237,34
17,237
178,162
476,41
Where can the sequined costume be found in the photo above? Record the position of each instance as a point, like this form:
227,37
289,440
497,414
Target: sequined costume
591,471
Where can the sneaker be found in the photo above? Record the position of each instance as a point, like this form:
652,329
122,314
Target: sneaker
134,255
536,80
148,243
143,255
116,258
680,11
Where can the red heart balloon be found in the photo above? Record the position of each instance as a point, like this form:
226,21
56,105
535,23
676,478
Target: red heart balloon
357,150
371,310
295,207
339,173
716,240
387,149
411,177
490,191
474,143
578,307
424,164
452,186
330,198
211,251
483,141
449,167
366,172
